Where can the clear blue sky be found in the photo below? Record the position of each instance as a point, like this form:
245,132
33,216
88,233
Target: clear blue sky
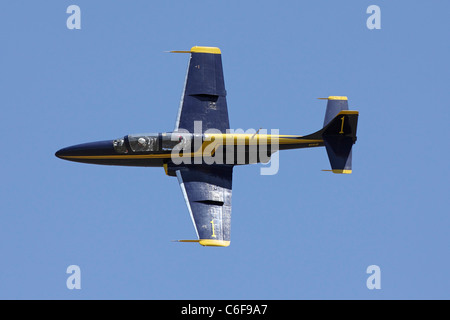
300,234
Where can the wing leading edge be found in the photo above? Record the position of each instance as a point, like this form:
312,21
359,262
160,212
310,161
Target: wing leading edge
207,192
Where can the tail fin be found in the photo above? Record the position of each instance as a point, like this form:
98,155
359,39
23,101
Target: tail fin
339,134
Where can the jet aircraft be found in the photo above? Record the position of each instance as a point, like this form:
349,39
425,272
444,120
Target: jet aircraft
202,150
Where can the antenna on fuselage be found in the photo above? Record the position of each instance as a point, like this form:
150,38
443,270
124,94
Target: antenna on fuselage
256,133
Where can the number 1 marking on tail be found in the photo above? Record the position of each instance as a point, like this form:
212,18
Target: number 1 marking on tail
342,125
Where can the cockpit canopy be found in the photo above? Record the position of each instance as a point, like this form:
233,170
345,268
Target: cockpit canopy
119,145
143,143
152,142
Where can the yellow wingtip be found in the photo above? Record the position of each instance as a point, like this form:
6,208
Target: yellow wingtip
208,242
334,98
348,112
214,243
337,98
199,49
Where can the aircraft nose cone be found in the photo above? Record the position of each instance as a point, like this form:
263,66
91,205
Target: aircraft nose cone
91,149
61,153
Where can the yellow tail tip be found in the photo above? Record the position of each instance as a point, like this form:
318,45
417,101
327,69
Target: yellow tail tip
339,171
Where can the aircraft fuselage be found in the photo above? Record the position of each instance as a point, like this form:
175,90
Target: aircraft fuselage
157,150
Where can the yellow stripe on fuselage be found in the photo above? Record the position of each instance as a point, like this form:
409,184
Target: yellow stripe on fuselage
250,139
123,156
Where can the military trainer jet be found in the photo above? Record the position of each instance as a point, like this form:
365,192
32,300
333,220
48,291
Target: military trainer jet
202,150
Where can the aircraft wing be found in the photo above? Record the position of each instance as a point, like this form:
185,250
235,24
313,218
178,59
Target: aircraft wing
207,192
204,94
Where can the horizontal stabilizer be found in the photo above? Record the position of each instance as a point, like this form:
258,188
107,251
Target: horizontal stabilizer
339,135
